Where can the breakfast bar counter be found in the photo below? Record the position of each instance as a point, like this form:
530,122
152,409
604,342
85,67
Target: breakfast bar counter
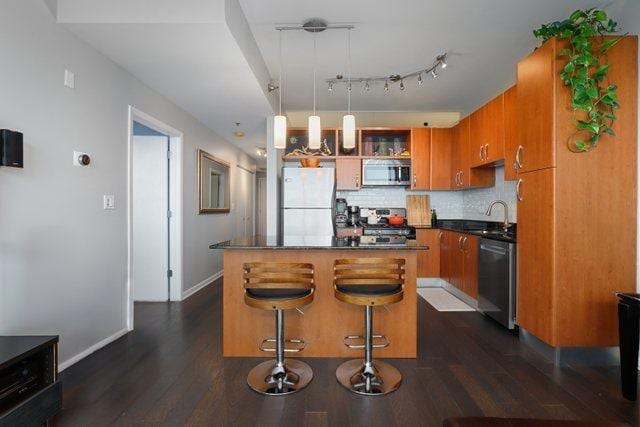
326,321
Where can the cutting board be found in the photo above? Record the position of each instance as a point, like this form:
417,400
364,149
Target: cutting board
418,211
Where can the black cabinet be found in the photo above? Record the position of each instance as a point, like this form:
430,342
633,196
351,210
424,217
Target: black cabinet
29,391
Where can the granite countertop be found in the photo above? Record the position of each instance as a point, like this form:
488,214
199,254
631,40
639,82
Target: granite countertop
311,242
485,229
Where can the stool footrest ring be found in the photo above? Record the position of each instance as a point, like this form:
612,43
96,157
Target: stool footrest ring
357,341
299,345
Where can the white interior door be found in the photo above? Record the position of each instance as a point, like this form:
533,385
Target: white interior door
261,199
244,203
150,241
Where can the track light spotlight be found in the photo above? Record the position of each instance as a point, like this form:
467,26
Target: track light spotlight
366,86
386,86
330,87
434,73
401,84
420,79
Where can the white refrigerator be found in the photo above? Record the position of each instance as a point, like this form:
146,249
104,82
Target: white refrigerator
308,197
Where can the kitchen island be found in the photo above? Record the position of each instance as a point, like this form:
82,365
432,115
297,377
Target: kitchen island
326,321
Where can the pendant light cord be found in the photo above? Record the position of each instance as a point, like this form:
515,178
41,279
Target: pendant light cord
349,71
280,73
315,37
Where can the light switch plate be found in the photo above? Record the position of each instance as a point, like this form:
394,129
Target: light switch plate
109,202
69,79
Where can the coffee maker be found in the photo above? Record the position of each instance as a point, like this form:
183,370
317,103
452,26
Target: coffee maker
342,217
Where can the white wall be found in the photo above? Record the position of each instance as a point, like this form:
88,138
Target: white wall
62,257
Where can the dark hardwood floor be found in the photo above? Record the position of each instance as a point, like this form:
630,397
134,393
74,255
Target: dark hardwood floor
170,371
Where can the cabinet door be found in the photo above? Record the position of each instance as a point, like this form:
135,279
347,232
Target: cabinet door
456,158
348,174
493,130
470,279
441,142
429,260
536,253
444,238
457,260
535,108
510,133
477,138
420,158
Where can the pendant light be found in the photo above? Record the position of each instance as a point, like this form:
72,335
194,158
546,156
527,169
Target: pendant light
280,121
314,127
349,121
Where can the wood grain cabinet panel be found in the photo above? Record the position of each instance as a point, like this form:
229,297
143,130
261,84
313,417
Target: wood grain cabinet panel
348,174
465,176
477,138
470,246
420,158
577,211
536,82
429,260
493,130
446,248
442,141
511,143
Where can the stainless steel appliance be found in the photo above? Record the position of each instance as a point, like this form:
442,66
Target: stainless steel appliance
342,212
497,281
386,172
308,201
382,230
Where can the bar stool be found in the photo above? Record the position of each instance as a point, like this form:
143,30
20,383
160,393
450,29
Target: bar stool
368,282
279,286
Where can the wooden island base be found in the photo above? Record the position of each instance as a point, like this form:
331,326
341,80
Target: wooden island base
326,321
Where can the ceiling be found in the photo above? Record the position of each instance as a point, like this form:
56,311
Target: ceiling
214,58
483,39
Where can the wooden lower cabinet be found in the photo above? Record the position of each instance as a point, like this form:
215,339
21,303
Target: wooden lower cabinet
429,261
459,261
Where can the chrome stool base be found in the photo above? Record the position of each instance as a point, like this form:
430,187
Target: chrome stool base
379,379
267,379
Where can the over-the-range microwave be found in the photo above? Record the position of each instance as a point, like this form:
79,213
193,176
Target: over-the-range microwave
386,172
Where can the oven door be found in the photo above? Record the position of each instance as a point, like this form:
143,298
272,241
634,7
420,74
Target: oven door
386,172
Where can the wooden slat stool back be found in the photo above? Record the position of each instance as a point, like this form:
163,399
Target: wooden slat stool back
368,282
279,286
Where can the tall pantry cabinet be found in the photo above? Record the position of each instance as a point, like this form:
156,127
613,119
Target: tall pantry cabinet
576,211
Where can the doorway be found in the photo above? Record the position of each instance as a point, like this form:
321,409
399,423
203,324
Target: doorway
154,211
244,202
261,204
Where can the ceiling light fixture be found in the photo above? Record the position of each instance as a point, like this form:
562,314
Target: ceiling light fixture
261,152
349,121
438,64
238,133
330,87
280,121
314,126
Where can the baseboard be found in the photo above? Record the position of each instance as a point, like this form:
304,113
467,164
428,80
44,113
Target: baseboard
97,346
429,282
192,290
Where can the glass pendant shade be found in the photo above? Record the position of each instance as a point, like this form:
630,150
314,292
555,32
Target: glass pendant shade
280,132
349,132
314,132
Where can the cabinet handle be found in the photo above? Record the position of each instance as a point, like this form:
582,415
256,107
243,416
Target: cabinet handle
357,181
518,164
460,242
415,179
464,243
482,152
486,151
518,195
461,181
440,237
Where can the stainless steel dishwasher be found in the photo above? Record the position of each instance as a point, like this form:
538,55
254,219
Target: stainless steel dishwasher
497,281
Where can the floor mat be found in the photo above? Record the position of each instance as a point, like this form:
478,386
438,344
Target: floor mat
442,300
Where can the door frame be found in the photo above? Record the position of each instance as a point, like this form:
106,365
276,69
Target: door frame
176,205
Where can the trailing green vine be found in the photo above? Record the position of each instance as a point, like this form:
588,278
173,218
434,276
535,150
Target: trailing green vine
594,98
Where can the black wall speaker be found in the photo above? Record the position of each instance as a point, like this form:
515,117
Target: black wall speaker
11,148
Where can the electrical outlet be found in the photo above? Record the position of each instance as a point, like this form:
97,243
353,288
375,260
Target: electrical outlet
69,79
109,202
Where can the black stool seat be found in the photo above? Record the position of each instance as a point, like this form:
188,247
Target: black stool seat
369,290
278,294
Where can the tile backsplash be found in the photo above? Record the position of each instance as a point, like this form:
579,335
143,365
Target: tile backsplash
467,204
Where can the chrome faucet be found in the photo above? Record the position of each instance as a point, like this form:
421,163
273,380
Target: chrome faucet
505,224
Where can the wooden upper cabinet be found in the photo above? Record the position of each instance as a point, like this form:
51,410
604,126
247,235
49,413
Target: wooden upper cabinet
462,173
429,260
348,174
442,140
536,82
510,133
420,158
476,138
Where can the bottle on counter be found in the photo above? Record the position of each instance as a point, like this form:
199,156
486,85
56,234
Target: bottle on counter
434,218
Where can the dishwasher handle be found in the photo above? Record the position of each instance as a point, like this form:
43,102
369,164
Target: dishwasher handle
494,249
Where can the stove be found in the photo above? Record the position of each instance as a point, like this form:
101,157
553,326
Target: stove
383,231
